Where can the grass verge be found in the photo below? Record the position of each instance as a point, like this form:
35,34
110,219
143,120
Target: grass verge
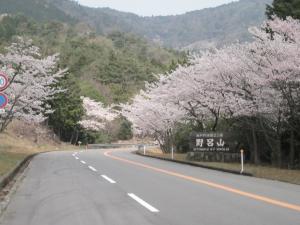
8,161
266,172
14,149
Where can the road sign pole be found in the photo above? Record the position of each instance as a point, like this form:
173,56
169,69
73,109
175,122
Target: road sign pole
242,161
172,152
144,149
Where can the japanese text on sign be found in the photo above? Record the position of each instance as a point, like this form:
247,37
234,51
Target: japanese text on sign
210,142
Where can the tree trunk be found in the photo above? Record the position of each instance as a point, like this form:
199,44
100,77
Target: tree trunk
71,139
277,154
292,150
256,155
76,139
59,134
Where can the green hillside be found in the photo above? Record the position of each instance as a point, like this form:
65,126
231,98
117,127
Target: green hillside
213,26
38,9
217,26
109,68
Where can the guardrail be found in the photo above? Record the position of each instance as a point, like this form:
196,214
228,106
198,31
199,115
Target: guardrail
106,146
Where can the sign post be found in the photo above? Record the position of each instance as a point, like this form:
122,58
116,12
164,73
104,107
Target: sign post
242,161
144,149
172,152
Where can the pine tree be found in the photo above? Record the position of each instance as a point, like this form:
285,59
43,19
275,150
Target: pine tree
68,111
284,8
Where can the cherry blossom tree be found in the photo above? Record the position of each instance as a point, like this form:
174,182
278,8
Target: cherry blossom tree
277,56
97,115
153,116
257,82
32,82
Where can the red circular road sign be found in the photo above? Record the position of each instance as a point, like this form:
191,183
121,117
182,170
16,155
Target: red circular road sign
3,101
3,81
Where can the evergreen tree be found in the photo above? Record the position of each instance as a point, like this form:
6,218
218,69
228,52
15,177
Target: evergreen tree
284,8
125,132
68,112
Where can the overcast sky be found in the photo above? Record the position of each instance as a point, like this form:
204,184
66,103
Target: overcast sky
154,7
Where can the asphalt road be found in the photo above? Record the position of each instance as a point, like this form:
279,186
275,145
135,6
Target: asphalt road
120,188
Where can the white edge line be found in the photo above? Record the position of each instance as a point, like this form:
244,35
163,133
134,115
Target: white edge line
83,162
92,168
143,203
108,179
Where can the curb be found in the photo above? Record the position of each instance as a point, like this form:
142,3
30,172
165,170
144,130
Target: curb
6,179
195,165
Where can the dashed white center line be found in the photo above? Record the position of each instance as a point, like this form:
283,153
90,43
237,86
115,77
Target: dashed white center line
143,203
83,162
92,168
108,179
76,157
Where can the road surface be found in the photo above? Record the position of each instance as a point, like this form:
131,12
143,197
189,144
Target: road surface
119,188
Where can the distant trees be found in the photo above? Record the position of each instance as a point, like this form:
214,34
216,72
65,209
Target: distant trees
32,82
98,67
284,8
251,88
125,132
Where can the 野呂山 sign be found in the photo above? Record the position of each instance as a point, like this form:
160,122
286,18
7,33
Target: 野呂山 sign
3,81
209,142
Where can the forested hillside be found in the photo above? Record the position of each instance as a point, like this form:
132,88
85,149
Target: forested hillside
108,68
202,28
38,9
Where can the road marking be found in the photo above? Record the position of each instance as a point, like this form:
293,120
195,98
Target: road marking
76,157
83,162
143,203
211,184
108,179
92,168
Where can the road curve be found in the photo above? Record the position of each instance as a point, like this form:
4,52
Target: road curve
119,188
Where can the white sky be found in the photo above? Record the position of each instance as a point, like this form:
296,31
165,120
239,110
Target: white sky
155,7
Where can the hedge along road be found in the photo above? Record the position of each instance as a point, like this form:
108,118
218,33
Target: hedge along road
117,187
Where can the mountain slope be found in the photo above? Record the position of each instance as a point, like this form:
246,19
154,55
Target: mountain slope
214,26
38,9
108,68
